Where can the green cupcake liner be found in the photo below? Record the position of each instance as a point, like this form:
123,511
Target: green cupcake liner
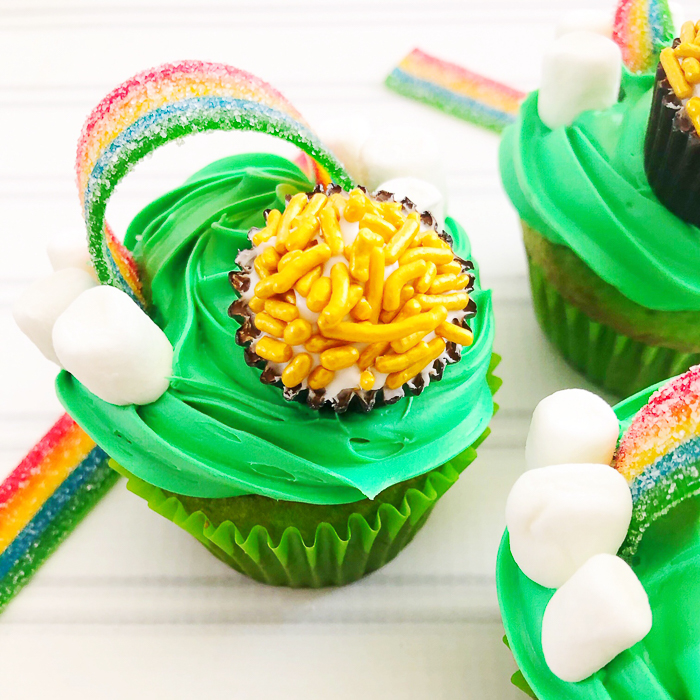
611,360
331,554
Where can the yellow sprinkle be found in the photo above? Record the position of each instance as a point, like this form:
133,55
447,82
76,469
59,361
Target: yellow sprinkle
430,239
449,283
319,294
316,203
451,268
270,258
396,362
298,332
370,354
452,302
338,202
685,51
367,380
335,359
400,241
320,378
675,76
290,297
693,108
687,34
392,212
330,230
455,333
256,305
301,236
267,324
355,206
287,258
691,70
439,256
375,283
273,350
362,311
283,281
340,290
437,347
423,284
281,310
296,204
270,230
397,279
404,344
317,344
407,293
378,225
369,333
362,247
261,269
303,286
297,370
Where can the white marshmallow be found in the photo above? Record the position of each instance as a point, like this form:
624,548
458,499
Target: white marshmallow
599,612
423,194
558,517
403,152
570,427
346,137
69,250
586,20
580,71
113,348
37,309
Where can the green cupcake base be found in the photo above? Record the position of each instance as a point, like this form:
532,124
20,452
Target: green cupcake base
306,546
610,357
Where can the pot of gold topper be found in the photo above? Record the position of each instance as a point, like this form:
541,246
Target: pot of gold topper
347,297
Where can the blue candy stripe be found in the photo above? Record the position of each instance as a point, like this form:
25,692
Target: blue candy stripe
684,455
96,459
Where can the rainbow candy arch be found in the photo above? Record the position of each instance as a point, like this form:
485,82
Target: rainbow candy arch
642,29
659,454
456,90
167,103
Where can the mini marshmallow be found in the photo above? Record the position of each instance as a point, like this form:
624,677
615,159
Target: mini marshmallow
599,612
580,71
570,427
113,348
346,137
423,194
403,152
37,309
586,20
558,517
69,250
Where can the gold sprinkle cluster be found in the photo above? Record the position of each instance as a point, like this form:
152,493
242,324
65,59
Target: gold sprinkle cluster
682,67
391,316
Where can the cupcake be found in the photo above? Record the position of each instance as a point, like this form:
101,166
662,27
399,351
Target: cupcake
597,573
598,180
289,367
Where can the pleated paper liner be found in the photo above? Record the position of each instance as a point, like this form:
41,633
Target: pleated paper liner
607,357
304,545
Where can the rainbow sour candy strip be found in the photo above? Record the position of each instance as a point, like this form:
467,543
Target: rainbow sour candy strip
659,454
161,105
44,498
455,90
641,29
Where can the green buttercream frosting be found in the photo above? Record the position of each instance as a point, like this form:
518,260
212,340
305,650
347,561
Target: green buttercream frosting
665,665
584,187
218,431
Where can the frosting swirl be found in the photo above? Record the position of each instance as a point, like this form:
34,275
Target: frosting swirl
584,187
217,431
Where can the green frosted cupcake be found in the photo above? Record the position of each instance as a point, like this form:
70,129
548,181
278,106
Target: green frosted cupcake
635,635
283,489
613,271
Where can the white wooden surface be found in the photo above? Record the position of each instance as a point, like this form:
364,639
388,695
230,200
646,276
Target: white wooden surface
130,606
